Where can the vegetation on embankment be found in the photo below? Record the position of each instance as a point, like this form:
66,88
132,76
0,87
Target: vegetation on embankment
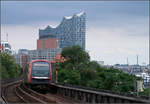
146,92
79,70
8,67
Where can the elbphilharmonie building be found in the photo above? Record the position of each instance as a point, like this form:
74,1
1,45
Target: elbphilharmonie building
71,31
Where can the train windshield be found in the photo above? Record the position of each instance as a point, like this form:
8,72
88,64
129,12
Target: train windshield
41,69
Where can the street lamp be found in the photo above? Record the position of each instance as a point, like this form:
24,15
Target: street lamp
56,73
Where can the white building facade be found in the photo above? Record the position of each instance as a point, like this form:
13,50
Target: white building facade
5,47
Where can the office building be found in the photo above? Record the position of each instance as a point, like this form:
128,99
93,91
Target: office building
44,54
47,41
19,56
29,55
23,51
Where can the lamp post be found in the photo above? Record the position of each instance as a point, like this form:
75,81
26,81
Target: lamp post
135,86
56,72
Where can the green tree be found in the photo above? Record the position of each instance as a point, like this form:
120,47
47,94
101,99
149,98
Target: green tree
94,65
9,69
77,56
79,70
3,73
70,77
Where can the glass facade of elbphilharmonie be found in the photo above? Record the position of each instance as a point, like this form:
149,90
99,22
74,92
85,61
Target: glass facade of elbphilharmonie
71,31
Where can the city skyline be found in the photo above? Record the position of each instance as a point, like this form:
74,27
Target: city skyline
115,30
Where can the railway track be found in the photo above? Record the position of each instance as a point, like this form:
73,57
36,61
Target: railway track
49,96
34,95
9,93
17,92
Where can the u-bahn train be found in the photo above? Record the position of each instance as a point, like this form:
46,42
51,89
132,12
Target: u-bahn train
39,72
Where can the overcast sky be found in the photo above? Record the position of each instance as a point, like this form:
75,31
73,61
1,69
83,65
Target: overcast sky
115,30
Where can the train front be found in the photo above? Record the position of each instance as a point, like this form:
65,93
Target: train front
40,72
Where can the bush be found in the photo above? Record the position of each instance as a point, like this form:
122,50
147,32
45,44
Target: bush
146,92
9,69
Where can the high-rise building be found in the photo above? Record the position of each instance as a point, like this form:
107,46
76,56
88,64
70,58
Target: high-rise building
24,55
19,56
71,31
44,54
47,40
23,51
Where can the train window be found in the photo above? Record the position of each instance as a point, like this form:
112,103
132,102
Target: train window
41,69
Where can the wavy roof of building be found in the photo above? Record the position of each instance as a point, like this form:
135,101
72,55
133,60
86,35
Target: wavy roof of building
66,18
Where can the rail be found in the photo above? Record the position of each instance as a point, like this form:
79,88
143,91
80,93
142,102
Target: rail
7,82
43,99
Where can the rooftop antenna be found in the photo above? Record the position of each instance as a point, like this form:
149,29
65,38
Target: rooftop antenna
128,64
137,60
7,37
127,61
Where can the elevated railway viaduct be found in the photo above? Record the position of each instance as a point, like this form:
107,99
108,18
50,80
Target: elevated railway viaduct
88,95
